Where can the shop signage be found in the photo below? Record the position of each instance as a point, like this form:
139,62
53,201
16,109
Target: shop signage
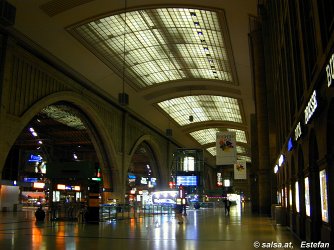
35,158
311,107
298,131
330,71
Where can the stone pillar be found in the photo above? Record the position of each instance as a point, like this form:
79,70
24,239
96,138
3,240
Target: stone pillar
260,95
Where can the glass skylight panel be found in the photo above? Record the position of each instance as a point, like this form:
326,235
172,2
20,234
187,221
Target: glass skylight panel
241,150
202,108
205,136
240,135
244,158
212,151
190,39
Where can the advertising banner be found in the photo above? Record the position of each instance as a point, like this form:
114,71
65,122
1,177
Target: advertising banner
226,148
240,170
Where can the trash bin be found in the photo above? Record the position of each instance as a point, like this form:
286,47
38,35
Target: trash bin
280,217
273,207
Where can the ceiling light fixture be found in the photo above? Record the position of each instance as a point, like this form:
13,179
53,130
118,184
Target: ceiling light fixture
191,117
123,98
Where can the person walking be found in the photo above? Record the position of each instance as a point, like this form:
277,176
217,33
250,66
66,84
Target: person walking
178,213
227,204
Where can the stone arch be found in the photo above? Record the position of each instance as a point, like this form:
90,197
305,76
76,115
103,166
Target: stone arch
101,138
157,154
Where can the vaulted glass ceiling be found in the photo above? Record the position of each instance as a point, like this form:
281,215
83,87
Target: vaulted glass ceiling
161,45
202,108
206,136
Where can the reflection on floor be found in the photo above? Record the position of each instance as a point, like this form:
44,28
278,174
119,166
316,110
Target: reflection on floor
203,229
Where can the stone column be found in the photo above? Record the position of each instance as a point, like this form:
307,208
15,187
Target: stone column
260,94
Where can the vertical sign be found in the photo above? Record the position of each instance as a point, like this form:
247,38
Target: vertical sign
240,170
226,148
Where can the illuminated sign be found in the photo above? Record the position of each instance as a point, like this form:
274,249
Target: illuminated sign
61,187
186,180
290,144
35,158
330,71
27,179
131,176
64,187
311,107
298,131
276,169
219,179
227,183
143,180
280,160
39,185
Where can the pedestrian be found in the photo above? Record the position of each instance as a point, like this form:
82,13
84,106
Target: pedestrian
227,206
40,214
178,213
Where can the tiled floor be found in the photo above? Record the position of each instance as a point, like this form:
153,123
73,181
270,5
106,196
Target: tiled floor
204,229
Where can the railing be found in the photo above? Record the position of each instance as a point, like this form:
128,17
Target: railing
76,211
66,212
119,212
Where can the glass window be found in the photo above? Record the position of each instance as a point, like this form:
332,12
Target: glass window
188,163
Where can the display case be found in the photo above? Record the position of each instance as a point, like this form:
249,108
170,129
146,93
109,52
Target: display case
323,195
290,196
297,197
307,197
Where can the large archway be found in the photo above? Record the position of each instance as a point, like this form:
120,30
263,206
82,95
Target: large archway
55,157
143,175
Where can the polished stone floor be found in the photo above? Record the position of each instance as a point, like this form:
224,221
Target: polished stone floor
203,229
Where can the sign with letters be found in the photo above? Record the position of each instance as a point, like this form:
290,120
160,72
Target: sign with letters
311,107
330,71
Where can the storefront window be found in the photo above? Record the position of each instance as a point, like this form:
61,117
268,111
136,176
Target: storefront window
297,196
307,198
323,195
